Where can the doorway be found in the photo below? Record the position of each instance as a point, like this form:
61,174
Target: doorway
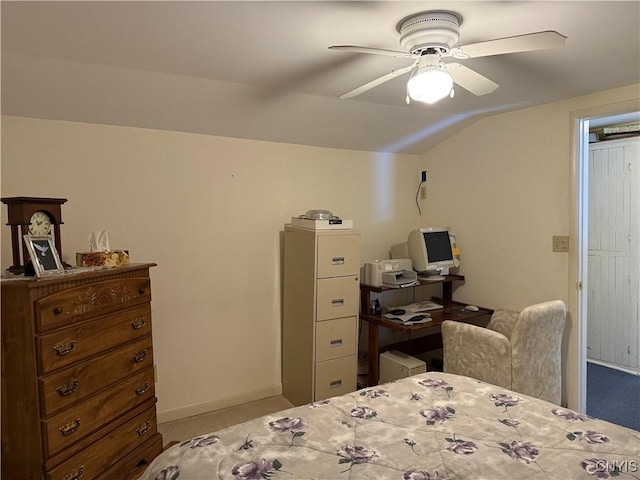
613,271
580,259
613,258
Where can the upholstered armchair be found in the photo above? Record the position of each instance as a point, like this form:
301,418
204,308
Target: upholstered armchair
520,351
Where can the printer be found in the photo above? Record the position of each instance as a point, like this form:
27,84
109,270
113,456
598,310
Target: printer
393,273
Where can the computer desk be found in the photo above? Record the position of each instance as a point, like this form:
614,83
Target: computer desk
451,311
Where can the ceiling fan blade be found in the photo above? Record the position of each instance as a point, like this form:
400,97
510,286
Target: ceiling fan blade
376,82
470,79
374,51
518,43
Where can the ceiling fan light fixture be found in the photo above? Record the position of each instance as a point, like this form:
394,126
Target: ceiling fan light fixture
430,84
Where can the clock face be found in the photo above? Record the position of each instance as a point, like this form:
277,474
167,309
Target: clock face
40,224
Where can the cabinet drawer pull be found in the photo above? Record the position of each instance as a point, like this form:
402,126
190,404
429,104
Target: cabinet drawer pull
140,356
75,474
337,302
141,390
337,261
335,384
141,290
70,427
66,389
144,428
65,348
138,323
57,310
336,343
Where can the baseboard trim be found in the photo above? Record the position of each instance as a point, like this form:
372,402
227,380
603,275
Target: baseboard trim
200,408
614,367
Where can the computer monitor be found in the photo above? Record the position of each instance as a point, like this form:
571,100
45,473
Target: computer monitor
432,251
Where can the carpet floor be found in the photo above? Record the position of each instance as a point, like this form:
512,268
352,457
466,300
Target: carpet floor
613,395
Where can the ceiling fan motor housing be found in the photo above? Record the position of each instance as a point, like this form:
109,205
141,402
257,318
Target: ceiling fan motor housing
429,30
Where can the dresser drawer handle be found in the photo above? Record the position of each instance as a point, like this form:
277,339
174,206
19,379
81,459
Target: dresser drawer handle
138,323
66,389
140,356
338,302
144,428
58,310
143,389
335,343
66,348
70,427
337,261
75,474
142,290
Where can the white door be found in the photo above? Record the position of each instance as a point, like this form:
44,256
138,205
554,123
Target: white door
613,313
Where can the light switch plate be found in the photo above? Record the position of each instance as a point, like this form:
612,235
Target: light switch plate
560,243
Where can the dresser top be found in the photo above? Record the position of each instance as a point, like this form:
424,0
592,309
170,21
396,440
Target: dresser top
20,281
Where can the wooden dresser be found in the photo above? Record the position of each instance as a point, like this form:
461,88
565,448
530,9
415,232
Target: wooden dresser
78,396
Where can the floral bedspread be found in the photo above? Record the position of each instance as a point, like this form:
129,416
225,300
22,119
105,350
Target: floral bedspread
430,426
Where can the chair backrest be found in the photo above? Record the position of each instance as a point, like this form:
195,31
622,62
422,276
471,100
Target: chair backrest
503,321
536,346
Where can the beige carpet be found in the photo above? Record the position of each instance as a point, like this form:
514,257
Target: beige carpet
186,428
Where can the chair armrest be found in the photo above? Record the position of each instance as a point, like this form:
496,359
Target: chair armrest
476,352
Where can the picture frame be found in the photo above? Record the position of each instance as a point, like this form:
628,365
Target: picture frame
43,254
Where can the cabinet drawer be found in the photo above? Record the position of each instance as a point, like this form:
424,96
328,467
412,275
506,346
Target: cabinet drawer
81,303
72,384
69,426
336,297
338,256
69,345
336,338
113,446
336,377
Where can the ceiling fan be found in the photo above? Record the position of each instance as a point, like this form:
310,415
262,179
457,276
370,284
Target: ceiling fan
427,38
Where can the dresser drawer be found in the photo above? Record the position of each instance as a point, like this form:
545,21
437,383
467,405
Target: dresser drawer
338,255
81,303
336,338
69,345
336,377
61,389
113,446
336,297
135,463
71,425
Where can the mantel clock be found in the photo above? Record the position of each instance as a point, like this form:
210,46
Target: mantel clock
32,216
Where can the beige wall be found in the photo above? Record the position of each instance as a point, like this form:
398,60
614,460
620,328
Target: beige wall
504,184
209,211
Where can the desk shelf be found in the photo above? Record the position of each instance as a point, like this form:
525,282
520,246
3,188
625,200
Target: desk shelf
446,282
451,311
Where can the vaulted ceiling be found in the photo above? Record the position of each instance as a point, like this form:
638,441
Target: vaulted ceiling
262,70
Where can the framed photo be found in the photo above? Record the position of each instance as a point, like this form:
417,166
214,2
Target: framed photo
44,256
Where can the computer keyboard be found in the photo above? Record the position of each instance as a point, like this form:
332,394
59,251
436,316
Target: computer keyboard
424,306
427,305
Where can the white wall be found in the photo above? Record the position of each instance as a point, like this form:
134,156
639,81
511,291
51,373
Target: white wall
504,184
209,211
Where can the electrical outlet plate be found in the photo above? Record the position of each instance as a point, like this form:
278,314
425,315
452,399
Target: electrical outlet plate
560,243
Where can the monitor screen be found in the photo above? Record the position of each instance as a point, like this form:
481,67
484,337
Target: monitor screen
438,246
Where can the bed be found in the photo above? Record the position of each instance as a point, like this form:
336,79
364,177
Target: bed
426,427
